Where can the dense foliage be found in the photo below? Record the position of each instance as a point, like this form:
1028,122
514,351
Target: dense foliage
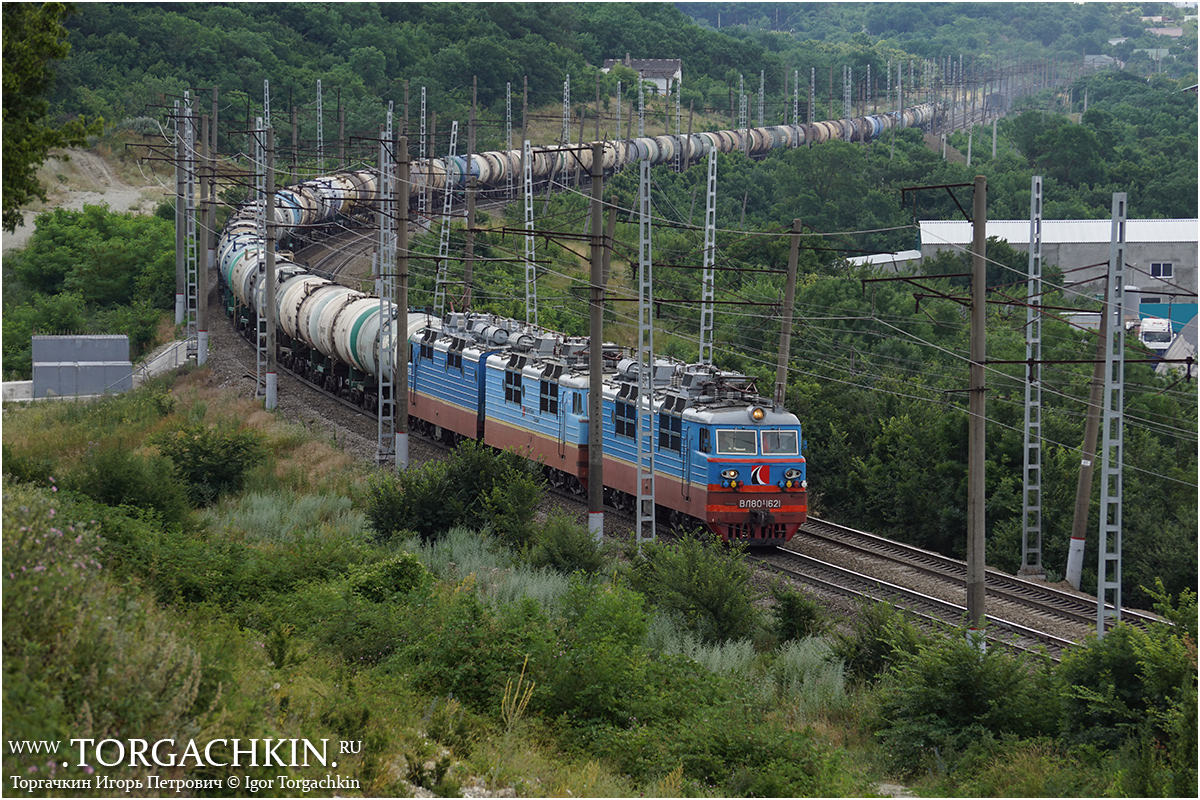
90,271
979,32
125,53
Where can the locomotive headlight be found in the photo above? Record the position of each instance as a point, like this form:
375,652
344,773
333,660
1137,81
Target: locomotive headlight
729,474
757,413
792,474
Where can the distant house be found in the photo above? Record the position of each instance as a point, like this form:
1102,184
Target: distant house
1097,62
1174,33
659,71
1118,40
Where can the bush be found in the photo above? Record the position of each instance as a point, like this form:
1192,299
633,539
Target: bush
470,651
879,636
566,546
1136,690
115,476
212,461
1013,767
82,655
950,694
383,580
600,675
797,615
475,487
707,586
24,468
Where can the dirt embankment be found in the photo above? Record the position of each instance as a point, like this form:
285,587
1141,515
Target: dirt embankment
87,179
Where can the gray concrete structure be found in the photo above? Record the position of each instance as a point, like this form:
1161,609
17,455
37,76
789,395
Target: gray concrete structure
1161,253
169,357
81,365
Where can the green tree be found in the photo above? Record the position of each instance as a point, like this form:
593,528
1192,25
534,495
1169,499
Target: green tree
33,37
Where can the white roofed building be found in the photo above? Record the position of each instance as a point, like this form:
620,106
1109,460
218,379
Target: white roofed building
1160,254
659,71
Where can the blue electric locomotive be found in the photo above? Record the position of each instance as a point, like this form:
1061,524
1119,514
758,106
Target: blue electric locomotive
723,458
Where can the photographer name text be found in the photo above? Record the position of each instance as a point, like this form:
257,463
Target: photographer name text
190,785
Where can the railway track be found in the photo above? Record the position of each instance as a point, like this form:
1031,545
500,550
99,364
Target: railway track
929,610
1052,601
850,563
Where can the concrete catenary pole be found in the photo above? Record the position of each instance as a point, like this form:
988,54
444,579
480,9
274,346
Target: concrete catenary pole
1087,463
400,328
272,369
207,237
596,354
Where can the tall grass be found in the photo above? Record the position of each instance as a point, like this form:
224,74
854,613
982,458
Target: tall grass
282,517
807,674
669,635
498,575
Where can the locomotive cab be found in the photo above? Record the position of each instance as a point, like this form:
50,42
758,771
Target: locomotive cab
757,479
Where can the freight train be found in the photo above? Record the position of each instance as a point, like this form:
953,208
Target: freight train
725,459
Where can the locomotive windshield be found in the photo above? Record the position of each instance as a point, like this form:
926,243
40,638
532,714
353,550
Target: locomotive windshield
780,443
737,443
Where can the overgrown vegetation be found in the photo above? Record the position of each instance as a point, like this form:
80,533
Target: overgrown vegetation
277,608
89,271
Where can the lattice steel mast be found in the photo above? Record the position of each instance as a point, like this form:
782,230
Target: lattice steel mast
439,292
1031,495
1108,579
645,395
385,446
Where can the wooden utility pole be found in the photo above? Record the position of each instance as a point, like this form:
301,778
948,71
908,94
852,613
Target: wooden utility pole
976,496
400,326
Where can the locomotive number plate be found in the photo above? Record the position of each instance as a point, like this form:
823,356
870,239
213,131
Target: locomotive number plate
759,502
